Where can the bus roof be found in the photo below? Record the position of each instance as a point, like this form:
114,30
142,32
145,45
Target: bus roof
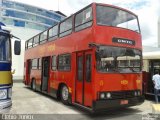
4,31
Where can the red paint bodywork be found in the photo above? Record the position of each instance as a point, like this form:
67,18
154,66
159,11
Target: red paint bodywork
78,42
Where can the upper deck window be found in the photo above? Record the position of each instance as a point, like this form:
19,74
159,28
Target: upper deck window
116,17
83,19
43,37
30,43
53,33
36,40
5,53
66,27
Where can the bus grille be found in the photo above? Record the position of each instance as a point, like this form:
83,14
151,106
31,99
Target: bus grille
122,94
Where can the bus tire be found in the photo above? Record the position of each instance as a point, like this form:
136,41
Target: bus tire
65,95
33,85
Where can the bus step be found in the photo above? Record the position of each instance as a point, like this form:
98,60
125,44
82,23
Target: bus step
83,107
45,92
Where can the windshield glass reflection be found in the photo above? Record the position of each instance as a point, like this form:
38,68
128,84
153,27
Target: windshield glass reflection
5,54
118,59
111,16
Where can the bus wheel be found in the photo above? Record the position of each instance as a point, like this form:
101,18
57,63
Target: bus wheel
33,85
65,95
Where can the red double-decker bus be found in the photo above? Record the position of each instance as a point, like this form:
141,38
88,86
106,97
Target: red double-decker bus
92,59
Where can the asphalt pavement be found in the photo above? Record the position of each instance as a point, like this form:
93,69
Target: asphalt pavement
34,105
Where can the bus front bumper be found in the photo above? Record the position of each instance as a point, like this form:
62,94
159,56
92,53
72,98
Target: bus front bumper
5,104
102,105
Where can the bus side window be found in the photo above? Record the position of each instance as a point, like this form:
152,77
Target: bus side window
53,33
30,43
66,27
34,63
35,40
43,37
26,45
83,19
64,62
80,68
39,63
54,63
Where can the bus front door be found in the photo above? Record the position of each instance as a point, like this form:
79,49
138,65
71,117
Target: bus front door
45,73
83,88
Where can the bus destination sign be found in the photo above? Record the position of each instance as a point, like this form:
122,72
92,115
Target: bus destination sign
123,41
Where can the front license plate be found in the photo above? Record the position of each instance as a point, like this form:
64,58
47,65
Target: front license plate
124,102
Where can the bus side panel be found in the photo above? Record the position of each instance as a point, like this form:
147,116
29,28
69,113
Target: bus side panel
65,77
27,71
38,79
36,75
54,83
57,77
118,82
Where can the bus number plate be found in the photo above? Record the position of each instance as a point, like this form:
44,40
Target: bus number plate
124,102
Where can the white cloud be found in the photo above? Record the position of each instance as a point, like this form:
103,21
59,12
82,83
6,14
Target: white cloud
147,10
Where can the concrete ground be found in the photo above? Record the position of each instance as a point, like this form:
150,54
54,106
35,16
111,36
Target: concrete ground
25,101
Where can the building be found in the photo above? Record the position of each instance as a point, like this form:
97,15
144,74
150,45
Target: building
22,15
26,21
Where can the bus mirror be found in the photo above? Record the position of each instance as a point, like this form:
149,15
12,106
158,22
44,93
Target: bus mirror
13,72
17,47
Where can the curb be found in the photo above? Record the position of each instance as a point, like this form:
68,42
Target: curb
155,108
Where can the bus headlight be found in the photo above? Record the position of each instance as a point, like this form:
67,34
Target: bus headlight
105,95
139,93
135,93
10,92
108,95
102,95
3,94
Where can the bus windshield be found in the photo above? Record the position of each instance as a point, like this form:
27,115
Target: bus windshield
118,59
5,54
111,16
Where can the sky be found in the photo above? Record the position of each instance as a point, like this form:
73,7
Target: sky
147,11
